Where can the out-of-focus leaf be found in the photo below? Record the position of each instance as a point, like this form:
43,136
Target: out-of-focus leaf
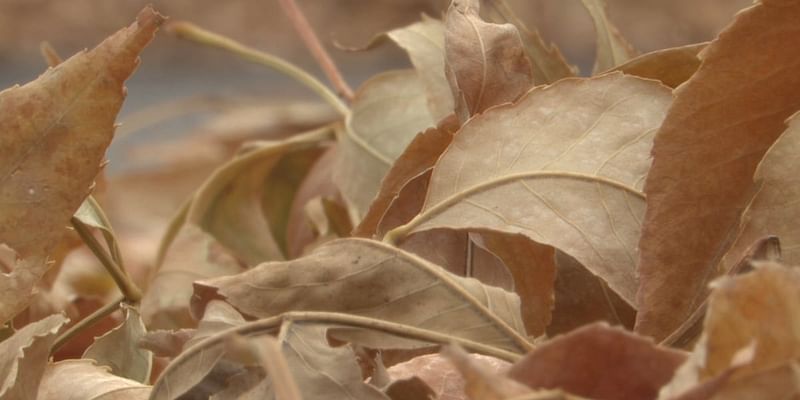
547,61
480,381
774,208
717,130
55,133
372,279
424,43
485,62
612,48
440,374
192,256
563,166
83,380
671,66
164,343
23,357
245,203
119,349
532,266
412,388
582,297
757,310
599,362
387,112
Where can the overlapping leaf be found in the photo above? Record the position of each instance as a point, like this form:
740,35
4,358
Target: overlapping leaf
83,380
563,166
119,349
722,122
612,48
24,356
671,66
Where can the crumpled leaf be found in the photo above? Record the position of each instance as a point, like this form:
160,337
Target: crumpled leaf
546,60
671,66
599,362
563,166
718,128
24,356
83,380
369,278
55,133
612,48
759,309
119,349
485,62
773,209
387,112
245,203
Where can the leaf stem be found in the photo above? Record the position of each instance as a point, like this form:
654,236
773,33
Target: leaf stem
129,290
187,30
314,46
90,320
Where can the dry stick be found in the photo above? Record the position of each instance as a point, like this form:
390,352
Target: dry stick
129,290
90,320
194,33
313,45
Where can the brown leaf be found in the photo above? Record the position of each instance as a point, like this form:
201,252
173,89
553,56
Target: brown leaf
387,112
759,309
119,349
582,298
372,279
480,381
573,183
83,380
612,48
671,66
24,356
722,122
599,362
485,63
56,131
164,343
412,388
547,61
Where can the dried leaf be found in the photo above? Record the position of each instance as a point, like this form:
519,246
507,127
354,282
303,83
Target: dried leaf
83,380
759,310
612,48
571,182
718,128
387,112
56,131
671,66
485,63
278,369
372,279
24,356
235,207
547,61
629,366
480,381
91,213
773,209
412,388
164,343
119,349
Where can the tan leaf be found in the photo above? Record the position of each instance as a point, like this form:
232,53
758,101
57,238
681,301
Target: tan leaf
759,309
24,356
547,61
563,166
119,349
485,62
372,279
193,255
387,112
720,125
582,298
164,343
235,206
671,66
90,213
599,362
278,370
480,381
83,380
55,132
612,48
773,209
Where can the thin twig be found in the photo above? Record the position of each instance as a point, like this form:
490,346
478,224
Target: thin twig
90,320
197,34
313,45
126,286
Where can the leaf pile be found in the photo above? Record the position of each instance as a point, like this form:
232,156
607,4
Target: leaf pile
485,225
